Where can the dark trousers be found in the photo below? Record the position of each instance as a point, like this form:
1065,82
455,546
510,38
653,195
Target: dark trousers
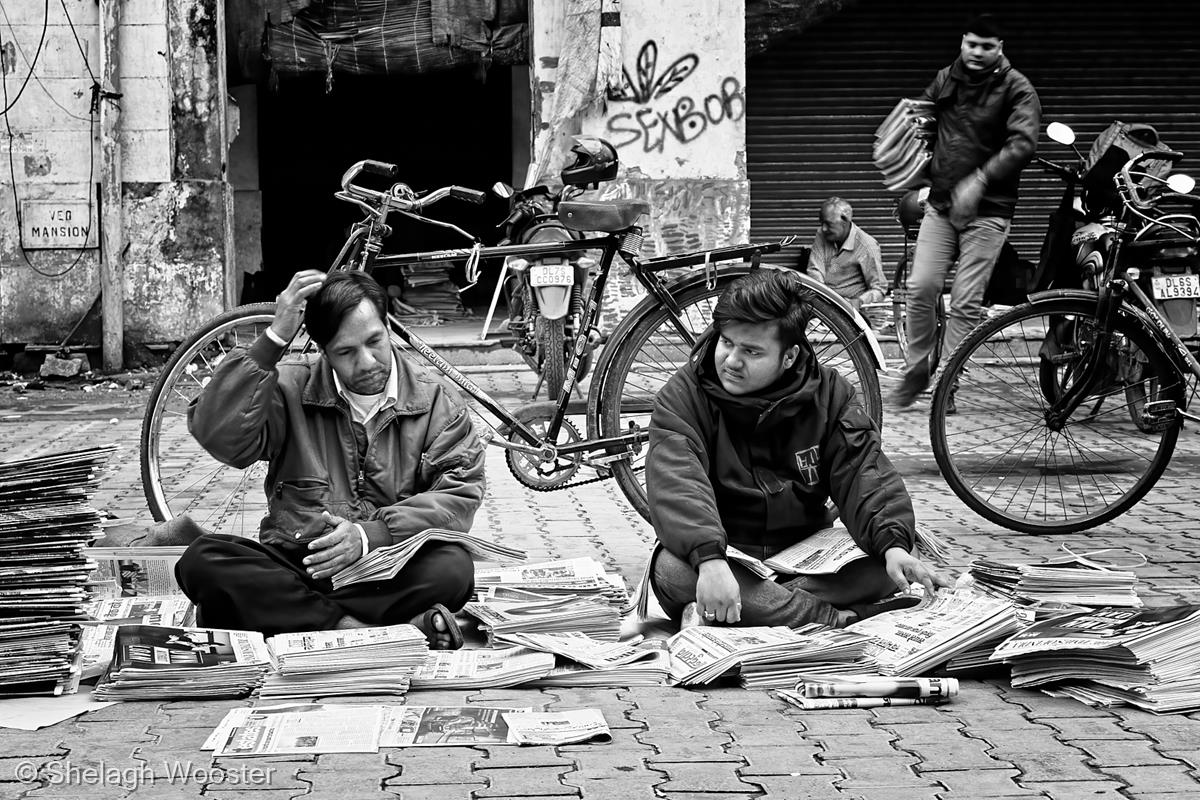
242,584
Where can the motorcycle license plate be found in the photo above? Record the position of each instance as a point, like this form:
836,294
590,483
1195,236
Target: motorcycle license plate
551,275
1171,287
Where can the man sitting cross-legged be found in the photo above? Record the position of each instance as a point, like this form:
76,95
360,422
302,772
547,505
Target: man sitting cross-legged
364,450
748,441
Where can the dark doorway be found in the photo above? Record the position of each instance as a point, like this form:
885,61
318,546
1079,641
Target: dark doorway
439,128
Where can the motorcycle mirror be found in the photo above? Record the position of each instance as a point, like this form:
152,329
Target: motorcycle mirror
1181,184
1060,133
502,189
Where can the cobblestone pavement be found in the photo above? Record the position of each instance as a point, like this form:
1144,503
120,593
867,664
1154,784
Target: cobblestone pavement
720,744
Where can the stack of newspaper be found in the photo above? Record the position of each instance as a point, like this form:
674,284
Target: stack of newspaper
824,651
910,641
153,662
592,617
481,669
903,144
45,527
1074,583
651,668
1141,657
869,691
386,562
702,654
341,662
581,577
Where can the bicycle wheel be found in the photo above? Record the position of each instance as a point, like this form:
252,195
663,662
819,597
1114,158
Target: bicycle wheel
900,307
178,475
551,355
997,453
634,367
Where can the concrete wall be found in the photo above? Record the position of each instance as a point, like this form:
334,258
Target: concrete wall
176,199
678,121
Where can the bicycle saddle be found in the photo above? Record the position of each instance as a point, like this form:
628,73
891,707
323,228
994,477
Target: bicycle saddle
608,216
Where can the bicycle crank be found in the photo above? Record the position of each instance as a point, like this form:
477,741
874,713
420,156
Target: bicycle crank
540,466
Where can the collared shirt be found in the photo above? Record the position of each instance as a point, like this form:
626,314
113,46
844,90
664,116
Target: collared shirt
363,408
853,268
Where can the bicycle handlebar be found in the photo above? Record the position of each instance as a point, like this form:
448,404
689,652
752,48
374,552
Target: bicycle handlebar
1128,186
1066,173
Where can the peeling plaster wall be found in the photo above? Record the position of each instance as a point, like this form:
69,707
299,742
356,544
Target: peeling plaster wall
678,122
175,193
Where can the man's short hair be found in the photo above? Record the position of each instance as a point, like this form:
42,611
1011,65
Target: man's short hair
843,209
984,25
766,295
341,293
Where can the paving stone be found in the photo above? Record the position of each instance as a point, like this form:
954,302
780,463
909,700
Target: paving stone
958,753
867,772
1123,753
971,784
194,715
862,745
703,777
1174,734
782,759
445,791
626,788
507,757
893,793
924,732
427,766
43,742
792,787
850,722
1055,765
1007,744
616,764
526,782
1078,790
1155,780
1070,728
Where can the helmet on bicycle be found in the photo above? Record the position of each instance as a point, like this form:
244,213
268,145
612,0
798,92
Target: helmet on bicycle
595,161
910,208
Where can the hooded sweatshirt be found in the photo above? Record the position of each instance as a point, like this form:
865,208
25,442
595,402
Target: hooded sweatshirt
757,470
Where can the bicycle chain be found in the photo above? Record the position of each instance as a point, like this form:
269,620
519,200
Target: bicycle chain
596,479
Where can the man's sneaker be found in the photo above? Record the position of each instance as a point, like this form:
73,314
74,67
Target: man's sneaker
914,382
951,406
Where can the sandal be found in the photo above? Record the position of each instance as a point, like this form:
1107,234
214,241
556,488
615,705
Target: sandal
427,627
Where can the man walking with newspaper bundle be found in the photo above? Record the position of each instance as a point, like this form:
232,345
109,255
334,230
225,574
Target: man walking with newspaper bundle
365,450
988,116
748,441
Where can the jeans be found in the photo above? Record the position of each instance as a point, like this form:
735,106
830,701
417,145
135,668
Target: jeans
938,245
789,600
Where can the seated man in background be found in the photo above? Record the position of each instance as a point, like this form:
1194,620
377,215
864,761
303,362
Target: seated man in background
845,258
364,450
747,443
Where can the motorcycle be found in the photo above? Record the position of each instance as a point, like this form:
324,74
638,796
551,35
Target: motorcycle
545,297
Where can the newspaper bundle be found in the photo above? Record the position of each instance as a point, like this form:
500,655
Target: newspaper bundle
869,691
910,641
45,527
651,670
580,577
820,651
386,562
589,616
903,144
1073,583
481,669
376,660
579,647
701,654
153,662
1105,656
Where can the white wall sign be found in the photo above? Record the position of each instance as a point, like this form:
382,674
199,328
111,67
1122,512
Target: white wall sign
58,224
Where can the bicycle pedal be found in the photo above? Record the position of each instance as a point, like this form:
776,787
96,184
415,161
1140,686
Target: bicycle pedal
1158,415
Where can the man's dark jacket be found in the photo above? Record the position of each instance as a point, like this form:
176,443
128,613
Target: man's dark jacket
757,470
986,121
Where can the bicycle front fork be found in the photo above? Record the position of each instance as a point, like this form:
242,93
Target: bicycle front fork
1095,358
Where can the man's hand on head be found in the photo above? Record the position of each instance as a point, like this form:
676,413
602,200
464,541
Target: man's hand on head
906,569
289,304
331,553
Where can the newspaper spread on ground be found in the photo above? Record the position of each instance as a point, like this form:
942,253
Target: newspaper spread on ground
481,669
446,726
652,670
138,570
558,727
701,654
161,662
386,562
579,647
910,641
314,729
1108,656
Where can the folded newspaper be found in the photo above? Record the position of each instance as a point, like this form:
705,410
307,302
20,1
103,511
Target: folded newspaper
702,654
652,670
903,144
386,562
911,641
562,614
298,729
557,727
170,610
400,646
138,571
481,669
1074,583
581,577
579,647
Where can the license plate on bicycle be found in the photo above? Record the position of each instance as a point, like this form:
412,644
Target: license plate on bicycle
551,275
1171,287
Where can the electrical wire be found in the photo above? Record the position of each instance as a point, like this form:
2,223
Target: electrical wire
36,54
78,43
12,170
45,90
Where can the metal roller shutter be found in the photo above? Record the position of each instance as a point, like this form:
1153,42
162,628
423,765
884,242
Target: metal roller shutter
814,102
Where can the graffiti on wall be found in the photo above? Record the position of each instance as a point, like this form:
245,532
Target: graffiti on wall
681,119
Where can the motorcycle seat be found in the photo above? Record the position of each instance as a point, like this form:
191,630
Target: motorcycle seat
608,216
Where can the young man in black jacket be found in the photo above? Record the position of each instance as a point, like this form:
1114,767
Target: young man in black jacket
747,443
